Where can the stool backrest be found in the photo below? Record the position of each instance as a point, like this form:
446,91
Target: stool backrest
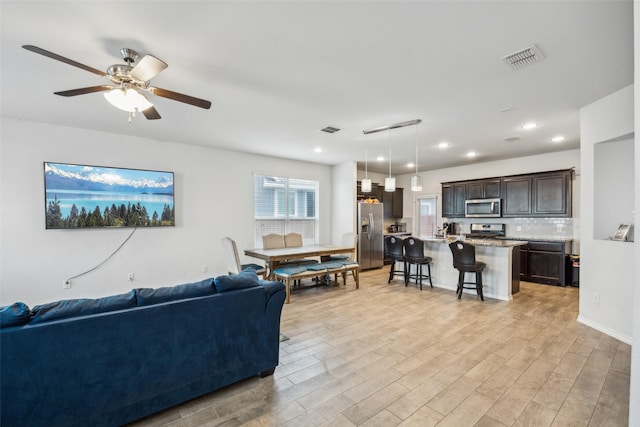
393,247
463,253
413,248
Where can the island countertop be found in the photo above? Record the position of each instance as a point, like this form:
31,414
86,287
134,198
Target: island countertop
498,243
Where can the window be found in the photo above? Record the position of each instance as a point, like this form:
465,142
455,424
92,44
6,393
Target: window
427,216
285,205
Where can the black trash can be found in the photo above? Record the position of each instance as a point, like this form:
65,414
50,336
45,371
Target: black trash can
572,270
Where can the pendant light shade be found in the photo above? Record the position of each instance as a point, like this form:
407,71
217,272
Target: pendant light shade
365,185
416,180
390,181
416,183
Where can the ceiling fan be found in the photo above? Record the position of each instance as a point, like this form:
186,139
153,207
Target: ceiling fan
128,83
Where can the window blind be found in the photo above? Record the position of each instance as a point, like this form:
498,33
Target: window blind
285,205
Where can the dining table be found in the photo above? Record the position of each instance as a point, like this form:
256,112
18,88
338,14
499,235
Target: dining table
274,257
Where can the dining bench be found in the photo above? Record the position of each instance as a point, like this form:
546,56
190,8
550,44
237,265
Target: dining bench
327,268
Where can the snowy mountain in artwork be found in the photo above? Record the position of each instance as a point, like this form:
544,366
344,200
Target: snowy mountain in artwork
95,178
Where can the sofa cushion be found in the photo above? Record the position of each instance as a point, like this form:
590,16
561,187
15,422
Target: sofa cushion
148,296
15,314
81,307
245,279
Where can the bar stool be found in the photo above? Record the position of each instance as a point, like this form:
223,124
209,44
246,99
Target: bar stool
393,252
464,260
414,254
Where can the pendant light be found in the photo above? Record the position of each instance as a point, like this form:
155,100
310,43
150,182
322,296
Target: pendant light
416,180
390,181
365,185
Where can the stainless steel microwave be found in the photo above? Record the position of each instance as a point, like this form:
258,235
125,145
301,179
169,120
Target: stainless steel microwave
483,208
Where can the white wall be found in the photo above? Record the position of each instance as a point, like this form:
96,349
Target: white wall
634,392
606,267
613,182
343,196
214,198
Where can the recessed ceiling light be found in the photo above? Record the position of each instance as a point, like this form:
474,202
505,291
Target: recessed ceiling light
443,145
471,154
411,165
380,159
557,138
529,126
318,150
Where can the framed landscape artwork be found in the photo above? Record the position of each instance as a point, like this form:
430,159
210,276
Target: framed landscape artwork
83,196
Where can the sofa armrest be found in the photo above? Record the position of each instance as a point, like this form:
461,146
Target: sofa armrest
271,287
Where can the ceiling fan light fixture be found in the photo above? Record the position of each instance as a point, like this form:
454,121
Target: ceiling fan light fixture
128,99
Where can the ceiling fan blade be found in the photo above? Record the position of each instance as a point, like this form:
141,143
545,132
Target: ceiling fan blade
202,103
147,68
151,114
85,90
63,59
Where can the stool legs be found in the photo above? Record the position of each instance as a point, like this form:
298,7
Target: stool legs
478,283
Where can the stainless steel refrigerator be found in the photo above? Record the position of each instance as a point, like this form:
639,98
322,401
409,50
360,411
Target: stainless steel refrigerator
371,240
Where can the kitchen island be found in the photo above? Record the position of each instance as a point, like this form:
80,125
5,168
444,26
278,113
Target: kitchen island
501,278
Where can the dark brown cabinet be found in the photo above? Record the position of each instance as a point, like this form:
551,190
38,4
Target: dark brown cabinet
544,262
552,194
453,197
393,201
484,189
516,196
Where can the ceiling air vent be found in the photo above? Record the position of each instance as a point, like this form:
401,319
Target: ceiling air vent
524,57
513,139
330,129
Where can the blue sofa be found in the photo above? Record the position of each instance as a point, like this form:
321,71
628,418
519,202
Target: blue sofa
113,360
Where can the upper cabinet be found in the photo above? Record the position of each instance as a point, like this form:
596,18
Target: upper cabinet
484,189
546,194
552,194
393,201
516,196
453,197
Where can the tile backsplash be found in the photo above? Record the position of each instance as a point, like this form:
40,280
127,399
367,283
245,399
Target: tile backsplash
527,227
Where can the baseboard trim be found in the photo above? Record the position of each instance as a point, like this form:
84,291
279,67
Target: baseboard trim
598,327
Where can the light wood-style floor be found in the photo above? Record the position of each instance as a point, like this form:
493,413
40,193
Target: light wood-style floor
386,355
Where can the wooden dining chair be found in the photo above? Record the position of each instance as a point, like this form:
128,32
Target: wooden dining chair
232,259
273,241
293,240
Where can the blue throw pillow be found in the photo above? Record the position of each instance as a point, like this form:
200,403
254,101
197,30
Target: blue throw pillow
81,307
245,279
15,314
148,296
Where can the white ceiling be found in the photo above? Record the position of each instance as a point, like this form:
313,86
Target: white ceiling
277,72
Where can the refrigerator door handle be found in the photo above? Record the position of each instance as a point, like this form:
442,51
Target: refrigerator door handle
371,226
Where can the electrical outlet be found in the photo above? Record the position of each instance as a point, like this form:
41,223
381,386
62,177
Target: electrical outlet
131,277
66,284
205,268
595,298
518,228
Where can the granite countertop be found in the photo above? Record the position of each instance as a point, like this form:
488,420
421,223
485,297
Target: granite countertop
481,242
539,238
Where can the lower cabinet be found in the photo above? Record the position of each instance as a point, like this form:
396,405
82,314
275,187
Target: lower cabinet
544,262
